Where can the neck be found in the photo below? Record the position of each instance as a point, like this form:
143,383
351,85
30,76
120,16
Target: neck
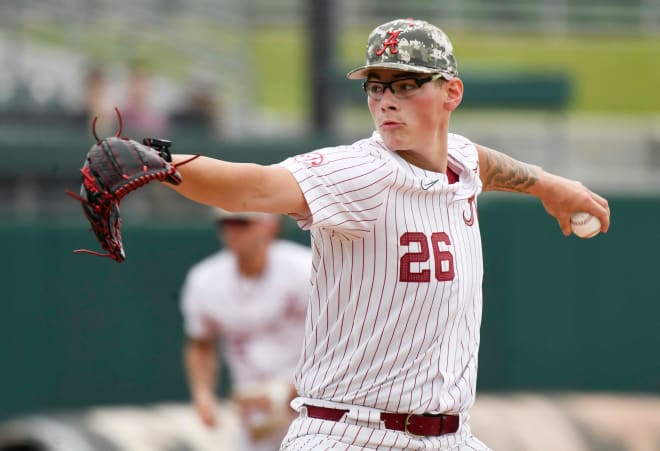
432,155
253,265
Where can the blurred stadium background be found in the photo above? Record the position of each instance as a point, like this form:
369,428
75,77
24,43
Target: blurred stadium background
90,351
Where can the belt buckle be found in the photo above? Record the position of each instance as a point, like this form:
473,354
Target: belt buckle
407,431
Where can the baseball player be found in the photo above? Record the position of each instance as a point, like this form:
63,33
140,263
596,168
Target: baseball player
252,298
389,359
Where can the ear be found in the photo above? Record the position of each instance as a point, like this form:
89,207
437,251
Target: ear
454,88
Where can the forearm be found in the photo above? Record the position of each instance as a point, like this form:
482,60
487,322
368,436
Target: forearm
561,197
214,182
201,367
239,186
499,172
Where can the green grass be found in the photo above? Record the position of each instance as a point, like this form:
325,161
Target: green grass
610,74
282,67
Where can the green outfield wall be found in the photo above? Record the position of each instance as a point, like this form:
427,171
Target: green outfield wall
559,313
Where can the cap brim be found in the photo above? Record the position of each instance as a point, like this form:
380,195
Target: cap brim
363,72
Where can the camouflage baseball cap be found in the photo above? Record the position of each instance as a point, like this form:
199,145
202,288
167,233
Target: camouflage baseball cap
409,45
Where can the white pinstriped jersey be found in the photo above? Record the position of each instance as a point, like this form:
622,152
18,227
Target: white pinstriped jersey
395,309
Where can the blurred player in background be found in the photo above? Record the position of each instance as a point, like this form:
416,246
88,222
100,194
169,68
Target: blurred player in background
392,338
251,298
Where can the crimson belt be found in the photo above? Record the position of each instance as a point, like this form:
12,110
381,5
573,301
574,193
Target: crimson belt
413,424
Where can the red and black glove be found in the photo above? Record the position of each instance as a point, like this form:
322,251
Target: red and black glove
113,168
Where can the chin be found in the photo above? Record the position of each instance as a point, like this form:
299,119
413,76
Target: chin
386,135
393,143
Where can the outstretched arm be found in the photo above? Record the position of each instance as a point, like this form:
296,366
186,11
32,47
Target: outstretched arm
240,186
560,197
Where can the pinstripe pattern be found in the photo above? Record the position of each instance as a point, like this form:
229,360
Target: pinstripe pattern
375,337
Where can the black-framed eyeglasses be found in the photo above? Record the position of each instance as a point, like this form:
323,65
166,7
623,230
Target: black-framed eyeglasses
402,88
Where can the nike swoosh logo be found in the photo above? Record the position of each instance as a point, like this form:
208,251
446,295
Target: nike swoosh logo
428,185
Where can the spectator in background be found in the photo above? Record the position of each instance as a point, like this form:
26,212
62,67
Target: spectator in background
200,113
96,102
140,117
251,297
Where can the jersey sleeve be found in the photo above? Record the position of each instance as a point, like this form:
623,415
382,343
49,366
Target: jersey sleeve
345,188
463,159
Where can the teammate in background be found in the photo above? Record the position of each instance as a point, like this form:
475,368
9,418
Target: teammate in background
251,297
392,337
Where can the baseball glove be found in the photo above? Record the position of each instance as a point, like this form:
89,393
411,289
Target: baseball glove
114,167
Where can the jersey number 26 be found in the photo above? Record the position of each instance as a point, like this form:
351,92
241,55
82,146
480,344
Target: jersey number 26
444,261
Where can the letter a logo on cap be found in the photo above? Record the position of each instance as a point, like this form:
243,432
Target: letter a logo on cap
392,41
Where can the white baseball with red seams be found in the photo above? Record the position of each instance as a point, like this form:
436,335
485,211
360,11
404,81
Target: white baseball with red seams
585,225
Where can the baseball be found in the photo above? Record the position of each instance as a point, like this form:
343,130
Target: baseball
585,225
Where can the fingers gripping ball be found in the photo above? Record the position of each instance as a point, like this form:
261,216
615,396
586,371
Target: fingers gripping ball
113,168
585,225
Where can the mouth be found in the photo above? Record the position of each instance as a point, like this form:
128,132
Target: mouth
390,124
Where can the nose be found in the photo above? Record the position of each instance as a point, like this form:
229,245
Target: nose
388,101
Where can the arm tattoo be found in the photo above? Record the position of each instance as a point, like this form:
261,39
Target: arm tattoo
502,173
